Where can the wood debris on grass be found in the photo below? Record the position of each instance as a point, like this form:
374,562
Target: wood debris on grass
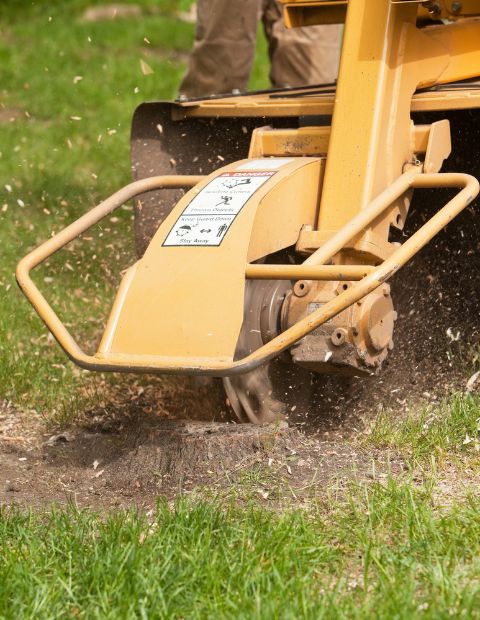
146,68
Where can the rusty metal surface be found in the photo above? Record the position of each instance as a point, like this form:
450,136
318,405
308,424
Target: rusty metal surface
355,341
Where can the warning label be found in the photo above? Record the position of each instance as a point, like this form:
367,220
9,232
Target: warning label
207,218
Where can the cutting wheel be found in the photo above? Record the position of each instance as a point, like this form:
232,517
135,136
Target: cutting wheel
278,389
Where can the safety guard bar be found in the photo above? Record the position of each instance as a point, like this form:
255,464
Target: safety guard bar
369,278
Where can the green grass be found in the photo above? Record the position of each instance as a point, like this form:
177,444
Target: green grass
445,431
54,167
384,553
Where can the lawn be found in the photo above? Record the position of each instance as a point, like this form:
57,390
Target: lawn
402,548
380,553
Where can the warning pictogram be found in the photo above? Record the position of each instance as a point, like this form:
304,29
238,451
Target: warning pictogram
208,217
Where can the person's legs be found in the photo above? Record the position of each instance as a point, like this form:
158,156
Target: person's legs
224,49
300,56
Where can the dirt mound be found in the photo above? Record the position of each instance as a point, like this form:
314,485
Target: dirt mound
146,456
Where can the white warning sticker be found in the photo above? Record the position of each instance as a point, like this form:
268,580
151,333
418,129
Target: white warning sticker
209,215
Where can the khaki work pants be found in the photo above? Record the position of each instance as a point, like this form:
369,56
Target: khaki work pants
224,48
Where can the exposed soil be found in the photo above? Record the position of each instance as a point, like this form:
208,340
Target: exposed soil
10,115
132,459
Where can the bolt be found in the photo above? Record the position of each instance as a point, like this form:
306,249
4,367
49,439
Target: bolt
456,7
342,287
338,336
301,288
386,290
434,8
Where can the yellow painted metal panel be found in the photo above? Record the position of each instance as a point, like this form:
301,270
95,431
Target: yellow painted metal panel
187,300
384,58
462,43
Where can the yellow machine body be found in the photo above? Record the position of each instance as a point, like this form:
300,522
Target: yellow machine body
331,191
195,308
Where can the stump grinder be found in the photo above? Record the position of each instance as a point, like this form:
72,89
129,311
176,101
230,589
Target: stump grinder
268,225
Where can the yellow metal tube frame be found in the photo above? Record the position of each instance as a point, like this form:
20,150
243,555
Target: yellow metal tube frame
344,273
164,364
